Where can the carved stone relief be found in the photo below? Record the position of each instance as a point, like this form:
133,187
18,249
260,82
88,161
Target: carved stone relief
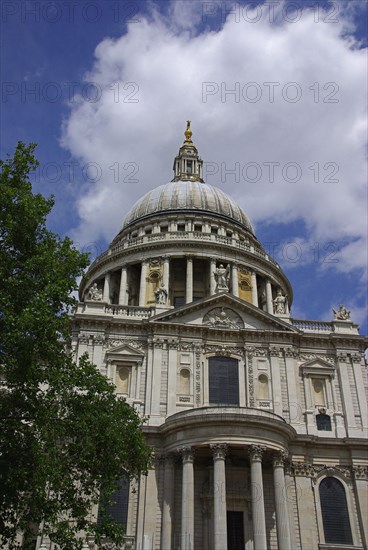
198,376
223,318
223,350
306,469
250,375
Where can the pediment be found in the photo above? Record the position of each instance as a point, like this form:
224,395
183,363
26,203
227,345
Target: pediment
317,366
124,352
224,312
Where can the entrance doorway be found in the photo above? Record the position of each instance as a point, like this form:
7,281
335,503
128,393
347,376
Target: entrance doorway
235,531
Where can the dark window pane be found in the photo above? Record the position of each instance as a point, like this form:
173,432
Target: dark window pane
223,381
179,301
118,508
336,524
323,422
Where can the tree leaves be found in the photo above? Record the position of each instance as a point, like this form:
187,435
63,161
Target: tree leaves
63,432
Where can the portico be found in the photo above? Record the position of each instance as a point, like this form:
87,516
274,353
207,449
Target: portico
231,477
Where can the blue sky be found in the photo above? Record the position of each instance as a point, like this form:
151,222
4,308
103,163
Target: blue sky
276,93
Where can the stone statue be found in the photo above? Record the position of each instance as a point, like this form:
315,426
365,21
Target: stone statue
161,294
342,314
222,277
94,293
280,303
263,300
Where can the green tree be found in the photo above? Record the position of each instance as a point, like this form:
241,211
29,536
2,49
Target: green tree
63,433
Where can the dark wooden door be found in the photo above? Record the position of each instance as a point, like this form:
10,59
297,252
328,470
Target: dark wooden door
235,531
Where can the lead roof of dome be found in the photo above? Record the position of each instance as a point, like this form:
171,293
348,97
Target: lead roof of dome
187,196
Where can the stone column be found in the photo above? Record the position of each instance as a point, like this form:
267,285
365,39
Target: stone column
165,276
291,496
171,378
189,285
254,289
155,416
291,369
258,509
234,280
106,289
168,502
269,297
282,516
308,530
358,369
276,380
347,399
219,497
360,480
142,288
187,500
123,287
212,278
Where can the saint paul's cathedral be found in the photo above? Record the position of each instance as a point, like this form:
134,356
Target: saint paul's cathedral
258,420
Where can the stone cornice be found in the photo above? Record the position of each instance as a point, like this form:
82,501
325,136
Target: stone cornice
88,329
307,469
83,322
226,425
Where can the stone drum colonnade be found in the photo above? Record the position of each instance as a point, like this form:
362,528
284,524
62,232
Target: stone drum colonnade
213,263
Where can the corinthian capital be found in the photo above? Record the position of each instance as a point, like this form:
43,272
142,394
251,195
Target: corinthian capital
219,451
255,453
279,458
187,454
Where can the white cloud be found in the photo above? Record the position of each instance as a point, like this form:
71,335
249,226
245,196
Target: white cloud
167,63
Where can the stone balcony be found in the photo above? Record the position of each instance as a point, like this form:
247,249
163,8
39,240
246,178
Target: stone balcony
175,236
90,307
325,327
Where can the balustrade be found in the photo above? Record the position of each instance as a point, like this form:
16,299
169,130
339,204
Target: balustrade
314,326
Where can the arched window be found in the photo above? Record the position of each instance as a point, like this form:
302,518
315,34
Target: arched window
185,382
263,387
117,507
335,515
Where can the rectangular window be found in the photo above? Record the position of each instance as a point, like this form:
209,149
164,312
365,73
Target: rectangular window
223,381
323,422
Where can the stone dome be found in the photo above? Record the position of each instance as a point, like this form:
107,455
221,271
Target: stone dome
190,196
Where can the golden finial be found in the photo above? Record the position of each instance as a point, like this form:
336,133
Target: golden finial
188,133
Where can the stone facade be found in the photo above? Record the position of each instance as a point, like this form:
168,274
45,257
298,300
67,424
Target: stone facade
184,298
